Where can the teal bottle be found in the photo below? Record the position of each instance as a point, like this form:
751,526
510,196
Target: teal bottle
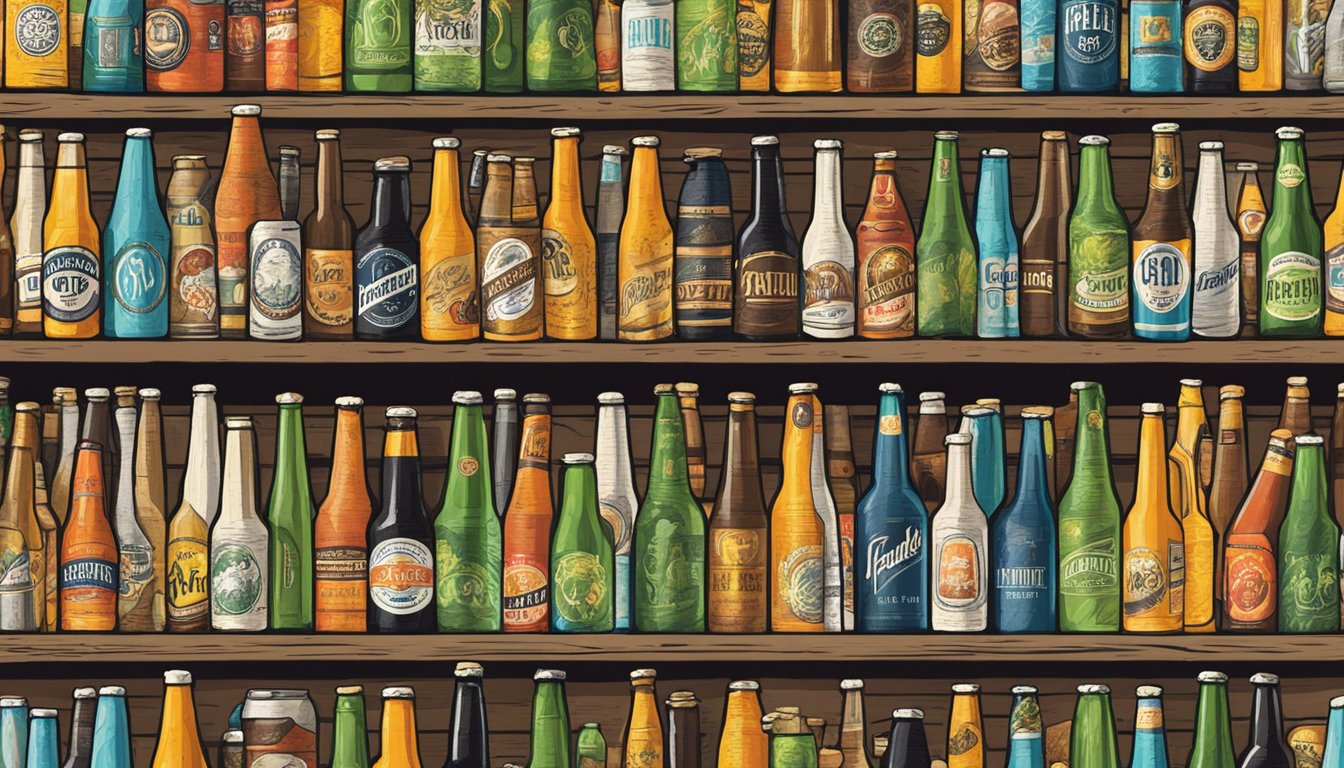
114,59
111,730
13,731
135,244
1150,734
1334,735
289,517
985,426
583,559
996,235
44,740
1025,729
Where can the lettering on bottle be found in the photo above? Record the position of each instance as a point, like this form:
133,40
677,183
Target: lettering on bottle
188,578
737,572
1162,277
557,258
933,29
138,283
644,296
886,560
508,280
401,576
167,39
330,286
1089,31
380,36
388,293
1252,582
766,278
70,283
448,27
37,30
1090,569
236,580
526,590
1210,38
1293,287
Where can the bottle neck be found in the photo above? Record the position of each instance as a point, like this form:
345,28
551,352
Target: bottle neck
580,483
765,199
1231,416
348,479
291,456
330,191
111,731
1292,188
202,455
960,491
86,492
401,469
446,186
827,186
400,746
391,209
1266,716
1309,481
1090,451
497,199
70,184
125,511
1094,176
238,502
1031,473
992,202
1052,183
945,198
796,454
646,184
81,732
891,461
667,465
19,490
1190,416
1166,175
136,184
854,730
1212,185
178,727
1151,486
566,189
350,745
741,479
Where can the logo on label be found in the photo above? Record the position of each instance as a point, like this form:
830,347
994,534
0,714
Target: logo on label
235,580
932,29
1161,277
508,280
388,295
467,585
1248,43
1251,222
1252,580
277,274
1208,38
70,283
999,40
1089,569
330,294
401,576
958,570
37,30
580,584
887,560
1293,286
467,466
1089,31
1145,583
167,39
802,414
800,583
138,283
1290,175
561,278
879,35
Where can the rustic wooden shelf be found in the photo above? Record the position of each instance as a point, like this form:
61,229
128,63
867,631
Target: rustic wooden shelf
659,108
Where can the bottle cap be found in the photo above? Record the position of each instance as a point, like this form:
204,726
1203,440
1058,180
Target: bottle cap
238,422
139,133
327,134
565,132
268,694
976,411
13,701
70,137
598,726
965,688
1231,392
4,382
1210,146
1340,388
1307,439
613,149
400,412
1148,691
1192,383
395,163
65,395
1023,690
1212,677
42,713
120,392
611,398
907,714
886,154
233,737
467,398
1092,688
764,141
177,677
481,153
1288,133
888,388
1166,128
646,141
1264,678
289,398
286,149
97,393
851,685
1248,167
1297,381
349,401
1054,135
537,398
682,699
744,398
1337,702
505,394
30,135
664,389
927,397
802,388
204,389
349,690
946,136
1282,435
399,692
186,160
246,110
549,674
1152,408
468,669
28,406
701,153
577,458
640,674
498,158
957,438
828,144
995,152
86,693
744,685
150,393
447,142
1038,412
1094,141
520,160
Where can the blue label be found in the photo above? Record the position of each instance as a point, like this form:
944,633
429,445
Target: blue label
1038,21
387,286
1024,570
89,572
1161,286
1156,64
1091,55
138,278
70,283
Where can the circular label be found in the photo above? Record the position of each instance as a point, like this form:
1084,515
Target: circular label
932,29
800,581
167,39
879,35
509,278
468,466
1161,277
753,43
138,283
37,30
738,547
1089,30
387,292
887,289
235,580
401,576
1290,175
1251,222
277,278
1293,286
581,594
802,414
1210,33
70,283
1145,580
246,36
1000,44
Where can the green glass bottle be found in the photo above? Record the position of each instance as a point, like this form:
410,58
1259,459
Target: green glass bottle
583,558
378,38
350,744
550,721
1089,525
448,45
1092,737
561,54
289,515
1309,547
1292,247
945,252
1213,725
592,746
502,56
1099,255
792,744
707,45
669,552
468,540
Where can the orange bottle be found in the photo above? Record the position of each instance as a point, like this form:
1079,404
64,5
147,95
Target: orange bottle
247,193
450,300
796,533
742,743
1153,573
179,736
527,524
184,46
340,543
644,264
568,248
88,551
71,267
25,439
401,744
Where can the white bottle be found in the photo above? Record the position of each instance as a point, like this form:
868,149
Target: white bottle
238,539
832,573
1215,311
648,58
828,252
616,497
960,534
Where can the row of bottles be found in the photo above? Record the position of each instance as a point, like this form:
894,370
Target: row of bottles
939,539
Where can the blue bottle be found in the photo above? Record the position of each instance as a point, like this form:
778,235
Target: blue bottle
1025,728
13,731
1088,42
985,426
1036,25
1334,735
1022,542
1150,735
1160,284
891,526
111,730
114,60
135,244
1156,61
996,238
44,740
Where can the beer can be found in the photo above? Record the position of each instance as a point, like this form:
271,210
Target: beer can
276,281
279,728
231,754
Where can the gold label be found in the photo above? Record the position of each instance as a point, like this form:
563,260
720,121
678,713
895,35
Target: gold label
330,286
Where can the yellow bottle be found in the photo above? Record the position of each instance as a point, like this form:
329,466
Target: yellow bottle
1189,500
26,438
450,303
938,55
320,44
179,737
797,600
1260,45
965,728
36,44
644,265
742,743
401,744
644,728
1153,575
1334,261
71,267
568,247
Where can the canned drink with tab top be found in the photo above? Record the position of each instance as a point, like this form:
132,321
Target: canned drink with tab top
279,729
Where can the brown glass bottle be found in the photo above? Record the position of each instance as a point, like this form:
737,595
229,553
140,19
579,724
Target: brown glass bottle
688,395
1231,465
1251,217
768,257
991,50
1250,548
738,528
928,461
885,241
1045,243
1162,244
683,730
508,257
881,46
328,250
1296,413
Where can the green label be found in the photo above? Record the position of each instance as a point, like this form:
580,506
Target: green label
468,587
946,275
235,580
706,45
669,573
581,591
561,54
1309,591
1099,268
1248,43
503,59
448,44
381,37
1293,287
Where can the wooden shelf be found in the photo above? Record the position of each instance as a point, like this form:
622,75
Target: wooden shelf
659,108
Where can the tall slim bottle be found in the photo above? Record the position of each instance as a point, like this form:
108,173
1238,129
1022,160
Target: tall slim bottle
1154,546
89,568
289,516
1025,729
188,561
1045,243
648,44
1251,217
984,424
349,741
450,304
880,42
447,46
80,746
469,744
996,237
508,257
379,38
399,738
742,743
1099,249
766,273
832,579
387,257
1266,745
644,272
19,548
1163,238
1259,45
135,555
1150,733
738,528
401,541
528,522
137,241
938,41
928,458
193,289
617,500
111,745
797,535
1250,586
239,569
1156,60
828,251
42,741
504,434
1185,476
844,485
72,269
66,400
549,734
1216,303
247,193
1212,746
32,519
960,548
1231,472
643,742
467,533
582,559
568,247
1092,734
561,55
703,266
1022,535
30,207
1291,248
150,505
885,241
1210,28
328,242
340,545
610,209
7,260
1089,40
945,253
1308,551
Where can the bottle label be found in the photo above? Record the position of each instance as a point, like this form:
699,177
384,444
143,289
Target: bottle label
138,283
1089,31
508,280
341,574
647,60
277,275
1251,221
90,582
674,605
135,570
236,581
388,294
188,589
1025,722
330,286
1252,581
828,304
1162,277
646,297
706,55
167,39
800,580
196,290
1145,583
468,583
557,258
70,284
1090,569
1334,282
1293,287
933,29
621,529
1310,588
113,41
582,590
450,291
525,591
1148,718
947,284
964,739
1151,37
247,34
1248,43
958,570
1210,35
401,576
880,35
886,560
737,576
753,43
1100,272
446,27
768,292
381,37
1290,175
37,30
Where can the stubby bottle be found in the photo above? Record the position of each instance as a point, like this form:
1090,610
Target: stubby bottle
885,240
561,53
616,497
1099,250
568,247
239,569
528,522
1022,533
582,559
610,209
1216,303
1163,237
996,236
648,61
401,560
1308,553
72,268
1185,476
881,47
328,237
1045,243
1089,42
1211,46
945,253
379,38
938,41
1092,735
450,301
340,543
1154,546
136,240
754,45
447,48
468,539
768,265
14,727
1291,248
1266,748
247,193
89,568
114,59
509,259
960,548
1155,43
738,528
1250,587
644,272
828,251
703,268
387,256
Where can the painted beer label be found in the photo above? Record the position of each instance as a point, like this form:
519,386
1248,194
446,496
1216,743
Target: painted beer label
382,37
70,283
135,569
526,591
1293,286
37,30
1153,584
508,280
401,576
329,288
960,580
800,582
468,579
188,589
237,585
933,29
387,285
767,291
341,576
737,579
167,39
1210,38
1311,591
1162,275
753,43
450,291
277,278
1089,30
138,278
886,284
582,597
1252,579
1334,279
195,288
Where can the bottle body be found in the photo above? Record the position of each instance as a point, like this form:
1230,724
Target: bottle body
767,268
568,248
885,242
1259,45
1163,238
387,260
945,252
72,263
1023,539
1154,544
1089,43
447,47
992,50
509,261
328,257
1308,553
707,46
468,540
379,41
959,535
998,303
703,270
582,557
644,272
648,60
828,252
1291,248
560,46
1216,300
1211,46
1155,47
401,541
247,193
938,41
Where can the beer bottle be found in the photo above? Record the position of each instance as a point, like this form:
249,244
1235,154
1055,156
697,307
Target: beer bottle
1025,730
670,523
96,425
1154,566
26,223
1337,456
1155,42
476,182
965,732
349,742
1092,734
828,252
838,453
742,743
386,257
644,270
853,725
886,243
113,61
447,49
988,472
1023,537
50,526
738,528
289,516
706,44
1045,242
549,736
247,193
1090,41
379,36
906,743
14,727
610,209
282,47
1251,543
508,259
401,563
1291,248
449,302
891,528
754,46
398,737
688,397
568,247
683,730
768,264
238,540
879,44
703,268
928,462
1213,735
938,41
607,45
1304,45
997,310
111,745
1308,547
1250,222
1162,244
340,547
591,747
561,52
1231,469
328,237
245,56
276,281
1295,414
504,446
1215,305
582,558
1038,23
88,587
193,294
502,56
37,525
1333,58
1260,42
81,728
1332,731
68,403
643,740
71,264
1267,746
468,744
467,533
807,46
647,59
992,50
1211,46
945,252
960,537
1185,476
1150,735
832,566
616,497
137,240
149,498
1334,267
37,44
797,532
41,744
527,524
184,46
20,548
135,555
